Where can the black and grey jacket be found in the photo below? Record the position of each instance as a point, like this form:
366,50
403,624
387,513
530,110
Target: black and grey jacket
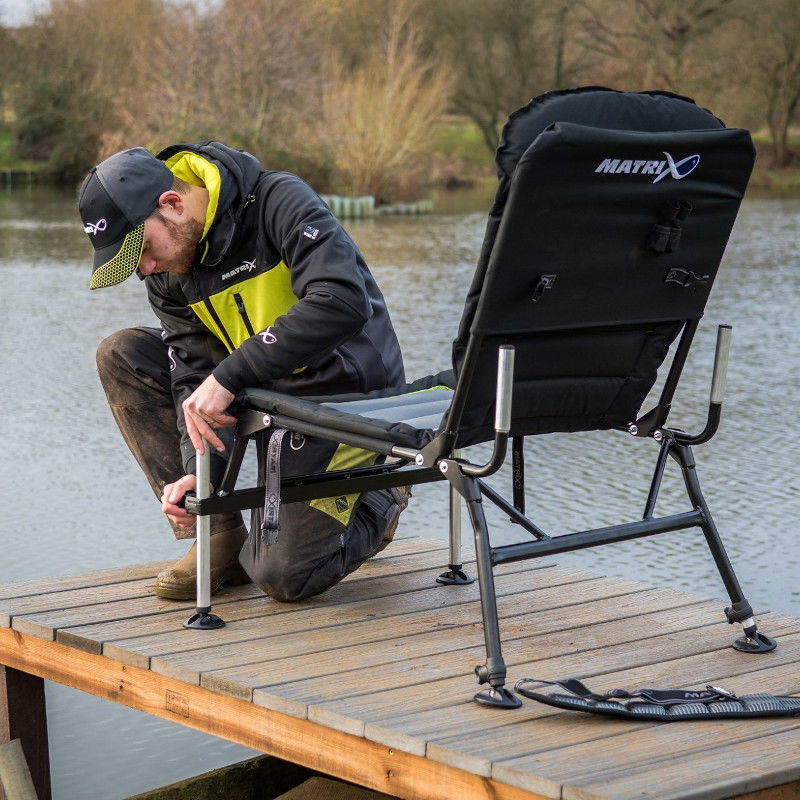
279,295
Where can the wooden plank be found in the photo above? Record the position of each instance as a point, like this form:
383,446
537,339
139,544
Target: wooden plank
35,600
448,682
15,777
639,745
733,769
402,686
254,619
135,640
160,634
23,716
79,598
540,771
654,748
45,623
63,583
338,754
378,619
665,652
415,730
240,680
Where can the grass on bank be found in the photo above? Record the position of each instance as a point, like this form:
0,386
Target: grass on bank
8,161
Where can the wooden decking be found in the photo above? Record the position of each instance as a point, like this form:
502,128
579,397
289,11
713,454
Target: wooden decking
372,682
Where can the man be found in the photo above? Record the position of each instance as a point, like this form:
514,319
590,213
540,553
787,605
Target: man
255,283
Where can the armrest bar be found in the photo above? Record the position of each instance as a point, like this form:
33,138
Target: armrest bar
724,333
505,386
717,391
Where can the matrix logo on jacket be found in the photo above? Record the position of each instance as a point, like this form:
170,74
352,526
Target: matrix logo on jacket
245,266
659,169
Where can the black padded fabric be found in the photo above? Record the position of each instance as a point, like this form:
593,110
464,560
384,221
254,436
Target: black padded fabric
749,705
594,106
591,228
578,209
408,417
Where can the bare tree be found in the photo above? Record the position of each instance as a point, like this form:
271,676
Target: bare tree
773,60
655,44
502,54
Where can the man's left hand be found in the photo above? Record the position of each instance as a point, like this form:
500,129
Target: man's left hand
205,410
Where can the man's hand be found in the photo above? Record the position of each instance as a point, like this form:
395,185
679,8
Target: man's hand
173,494
205,410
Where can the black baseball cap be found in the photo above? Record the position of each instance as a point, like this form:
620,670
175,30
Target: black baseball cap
116,198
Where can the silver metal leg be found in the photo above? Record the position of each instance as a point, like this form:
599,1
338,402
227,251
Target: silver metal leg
455,575
455,526
203,491
203,618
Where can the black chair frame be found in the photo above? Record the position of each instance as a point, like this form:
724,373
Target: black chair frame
437,461
609,293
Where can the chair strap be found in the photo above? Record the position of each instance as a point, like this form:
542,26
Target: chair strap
272,487
667,705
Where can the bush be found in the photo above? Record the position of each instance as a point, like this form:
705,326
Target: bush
59,126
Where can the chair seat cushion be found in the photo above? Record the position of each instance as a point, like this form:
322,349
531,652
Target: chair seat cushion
407,416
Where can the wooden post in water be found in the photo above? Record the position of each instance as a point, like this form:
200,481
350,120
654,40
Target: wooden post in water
15,777
23,716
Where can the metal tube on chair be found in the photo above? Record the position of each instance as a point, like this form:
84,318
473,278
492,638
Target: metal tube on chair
719,377
505,384
203,619
203,490
455,575
455,522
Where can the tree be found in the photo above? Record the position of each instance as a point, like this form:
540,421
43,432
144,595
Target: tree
502,54
774,69
655,44
73,77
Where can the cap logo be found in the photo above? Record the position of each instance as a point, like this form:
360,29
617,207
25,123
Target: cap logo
95,227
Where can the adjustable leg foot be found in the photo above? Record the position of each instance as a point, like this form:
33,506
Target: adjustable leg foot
755,642
498,697
202,620
455,576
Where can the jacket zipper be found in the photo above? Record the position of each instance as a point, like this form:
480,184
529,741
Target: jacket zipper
243,312
212,312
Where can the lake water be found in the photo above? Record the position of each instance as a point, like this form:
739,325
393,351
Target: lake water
74,500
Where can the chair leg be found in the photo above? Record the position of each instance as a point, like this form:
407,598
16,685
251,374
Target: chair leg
455,575
740,611
493,671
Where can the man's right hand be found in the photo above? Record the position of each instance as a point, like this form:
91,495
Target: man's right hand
173,494
205,410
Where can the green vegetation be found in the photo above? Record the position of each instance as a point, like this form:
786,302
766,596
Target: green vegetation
9,161
460,138
386,97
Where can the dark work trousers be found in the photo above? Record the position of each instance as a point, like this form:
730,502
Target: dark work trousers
133,365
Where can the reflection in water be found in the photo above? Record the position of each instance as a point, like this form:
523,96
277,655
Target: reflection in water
76,501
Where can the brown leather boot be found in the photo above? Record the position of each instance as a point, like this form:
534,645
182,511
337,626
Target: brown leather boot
179,582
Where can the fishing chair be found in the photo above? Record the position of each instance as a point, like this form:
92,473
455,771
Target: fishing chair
600,252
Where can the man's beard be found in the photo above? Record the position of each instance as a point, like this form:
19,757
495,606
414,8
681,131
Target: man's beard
186,236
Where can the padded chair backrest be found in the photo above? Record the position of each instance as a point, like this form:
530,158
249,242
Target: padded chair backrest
573,276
